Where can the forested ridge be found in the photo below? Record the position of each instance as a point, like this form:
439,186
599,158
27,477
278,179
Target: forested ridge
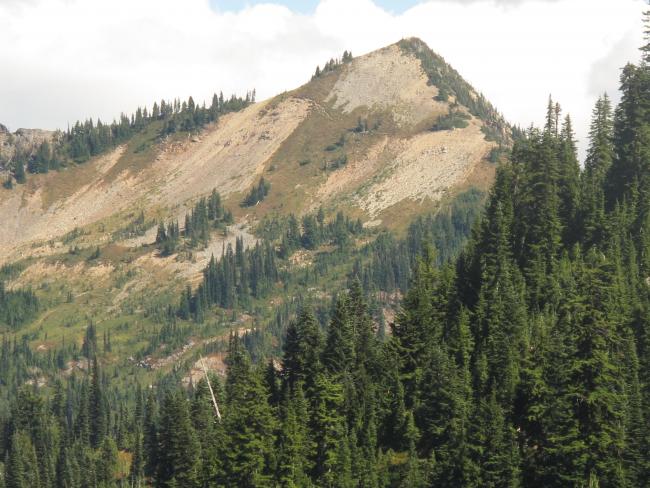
89,138
525,361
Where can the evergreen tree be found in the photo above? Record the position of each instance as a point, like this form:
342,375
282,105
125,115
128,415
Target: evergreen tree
209,432
294,444
107,465
302,348
339,351
249,425
597,164
150,435
22,466
178,452
97,407
331,460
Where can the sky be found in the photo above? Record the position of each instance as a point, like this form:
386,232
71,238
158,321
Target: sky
64,60
307,6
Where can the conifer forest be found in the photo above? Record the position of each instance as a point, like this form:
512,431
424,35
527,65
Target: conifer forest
518,354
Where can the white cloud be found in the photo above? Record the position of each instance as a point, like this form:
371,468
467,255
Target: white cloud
498,2
64,60
605,72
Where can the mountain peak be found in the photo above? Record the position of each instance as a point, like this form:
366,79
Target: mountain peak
381,136
404,78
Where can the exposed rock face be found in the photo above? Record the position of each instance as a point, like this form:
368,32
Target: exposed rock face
23,140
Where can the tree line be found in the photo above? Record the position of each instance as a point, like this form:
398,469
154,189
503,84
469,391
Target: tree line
451,84
91,138
332,65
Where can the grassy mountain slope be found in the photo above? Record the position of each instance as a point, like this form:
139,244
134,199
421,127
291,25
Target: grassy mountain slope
357,138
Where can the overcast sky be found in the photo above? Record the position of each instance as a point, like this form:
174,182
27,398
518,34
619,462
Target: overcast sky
63,60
